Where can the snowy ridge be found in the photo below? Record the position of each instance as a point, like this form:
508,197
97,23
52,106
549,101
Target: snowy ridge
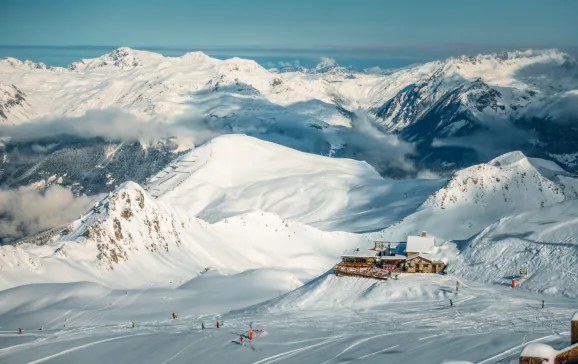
124,223
123,57
130,240
235,174
510,177
13,104
164,86
477,196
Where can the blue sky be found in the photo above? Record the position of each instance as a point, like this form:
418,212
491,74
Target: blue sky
407,29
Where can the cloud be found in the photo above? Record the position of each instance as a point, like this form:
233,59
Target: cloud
385,152
292,64
43,149
563,109
327,61
111,125
495,138
24,212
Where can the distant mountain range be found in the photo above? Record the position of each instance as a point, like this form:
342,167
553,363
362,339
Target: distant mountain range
440,116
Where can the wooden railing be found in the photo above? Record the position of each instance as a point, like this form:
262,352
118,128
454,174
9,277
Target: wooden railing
367,272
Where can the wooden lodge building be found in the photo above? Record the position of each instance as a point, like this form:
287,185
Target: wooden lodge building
412,256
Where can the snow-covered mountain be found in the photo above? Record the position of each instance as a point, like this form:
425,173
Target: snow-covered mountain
477,196
129,239
13,104
236,174
456,113
466,99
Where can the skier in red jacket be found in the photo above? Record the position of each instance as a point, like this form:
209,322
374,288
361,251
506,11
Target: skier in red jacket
217,324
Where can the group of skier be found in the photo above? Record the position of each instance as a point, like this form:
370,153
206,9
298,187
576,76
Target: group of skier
218,324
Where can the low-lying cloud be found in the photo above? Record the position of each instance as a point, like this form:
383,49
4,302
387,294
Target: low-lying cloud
24,212
493,139
111,125
385,152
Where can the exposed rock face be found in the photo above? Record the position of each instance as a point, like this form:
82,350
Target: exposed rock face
13,104
127,221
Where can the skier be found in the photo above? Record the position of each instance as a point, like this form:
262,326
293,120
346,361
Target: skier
133,324
20,331
451,303
174,315
202,325
217,324
457,286
542,304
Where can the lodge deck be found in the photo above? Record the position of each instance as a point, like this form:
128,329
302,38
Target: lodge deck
367,272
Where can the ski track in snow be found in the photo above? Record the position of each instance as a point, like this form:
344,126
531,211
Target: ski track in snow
185,348
360,332
41,360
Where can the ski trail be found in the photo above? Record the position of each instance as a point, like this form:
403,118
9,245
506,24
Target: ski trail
428,337
354,345
41,360
371,354
185,348
76,309
508,351
280,356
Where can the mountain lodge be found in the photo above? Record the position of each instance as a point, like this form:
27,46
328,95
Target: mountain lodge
412,256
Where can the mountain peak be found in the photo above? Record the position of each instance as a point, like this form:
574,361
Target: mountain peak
122,57
196,56
123,223
508,159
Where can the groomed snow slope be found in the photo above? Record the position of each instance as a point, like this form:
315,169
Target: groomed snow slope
234,174
477,196
544,241
131,240
330,292
486,324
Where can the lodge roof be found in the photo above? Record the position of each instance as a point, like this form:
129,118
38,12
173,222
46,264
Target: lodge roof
358,253
420,244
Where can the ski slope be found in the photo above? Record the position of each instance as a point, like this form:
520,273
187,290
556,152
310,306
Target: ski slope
485,325
543,241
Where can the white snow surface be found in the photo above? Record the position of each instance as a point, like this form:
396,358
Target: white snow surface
130,240
134,257
85,322
150,84
420,244
477,196
235,174
544,241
